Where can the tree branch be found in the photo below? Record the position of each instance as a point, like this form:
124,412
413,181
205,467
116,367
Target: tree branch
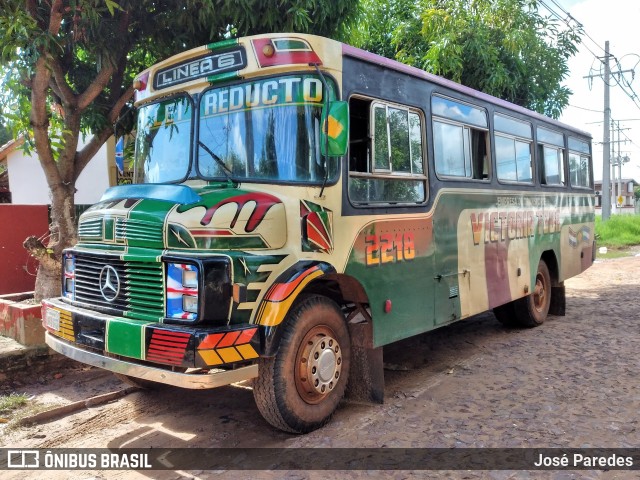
62,88
55,21
90,149
97,86
32,9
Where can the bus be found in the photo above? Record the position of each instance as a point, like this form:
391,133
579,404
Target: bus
297,204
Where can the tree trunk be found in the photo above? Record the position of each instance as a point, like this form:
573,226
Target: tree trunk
49,252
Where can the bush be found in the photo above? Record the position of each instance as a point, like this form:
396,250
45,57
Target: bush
618,231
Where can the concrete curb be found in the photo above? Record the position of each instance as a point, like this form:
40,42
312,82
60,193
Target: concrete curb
17,360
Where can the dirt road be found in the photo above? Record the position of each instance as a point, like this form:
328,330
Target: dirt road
571,383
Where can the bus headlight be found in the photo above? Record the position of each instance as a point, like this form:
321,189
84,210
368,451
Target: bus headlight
68,275
182,291
190,303
198,290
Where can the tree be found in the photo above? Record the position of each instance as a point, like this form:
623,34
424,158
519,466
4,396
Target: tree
506,48
5,134
71,64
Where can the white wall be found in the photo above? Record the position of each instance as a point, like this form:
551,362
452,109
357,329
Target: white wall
29,187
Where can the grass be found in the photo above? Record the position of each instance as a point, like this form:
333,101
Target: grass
12,402
618,232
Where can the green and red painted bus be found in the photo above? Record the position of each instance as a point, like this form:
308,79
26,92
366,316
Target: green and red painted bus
297,204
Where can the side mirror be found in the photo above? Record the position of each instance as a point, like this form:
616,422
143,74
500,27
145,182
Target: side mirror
336,117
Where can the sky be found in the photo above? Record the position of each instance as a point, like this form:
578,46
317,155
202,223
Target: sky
617,21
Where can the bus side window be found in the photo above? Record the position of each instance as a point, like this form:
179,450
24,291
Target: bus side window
460,138
513,139
386,164
579,163
551,157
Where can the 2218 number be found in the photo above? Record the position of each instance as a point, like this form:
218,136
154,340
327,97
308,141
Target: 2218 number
389,248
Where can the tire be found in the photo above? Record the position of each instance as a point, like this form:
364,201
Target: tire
506,314
138,382
530,311
299,389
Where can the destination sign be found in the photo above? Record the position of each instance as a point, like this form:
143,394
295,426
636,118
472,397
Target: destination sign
205,66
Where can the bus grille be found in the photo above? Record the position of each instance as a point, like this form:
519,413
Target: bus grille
140,291
139,231
91,228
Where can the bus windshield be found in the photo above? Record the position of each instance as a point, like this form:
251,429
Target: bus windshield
163,141
267,130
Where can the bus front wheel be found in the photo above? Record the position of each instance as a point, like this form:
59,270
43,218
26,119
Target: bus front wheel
299,388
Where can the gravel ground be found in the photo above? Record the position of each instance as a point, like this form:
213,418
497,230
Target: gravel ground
569,383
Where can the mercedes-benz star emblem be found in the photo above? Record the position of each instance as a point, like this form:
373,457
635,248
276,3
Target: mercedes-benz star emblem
109,283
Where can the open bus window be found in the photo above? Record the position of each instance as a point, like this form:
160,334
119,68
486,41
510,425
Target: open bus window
513,139
460,140
386,163
550,146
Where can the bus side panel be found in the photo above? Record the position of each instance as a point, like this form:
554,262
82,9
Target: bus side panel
502,237
393,260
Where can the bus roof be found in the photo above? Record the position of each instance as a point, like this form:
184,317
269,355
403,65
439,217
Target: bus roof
354,52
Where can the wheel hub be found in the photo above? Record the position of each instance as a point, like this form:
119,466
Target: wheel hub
319,365
539,293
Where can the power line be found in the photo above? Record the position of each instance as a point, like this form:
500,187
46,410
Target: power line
587,109
580,25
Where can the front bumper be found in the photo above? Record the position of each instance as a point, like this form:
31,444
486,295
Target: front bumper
151,350
194,381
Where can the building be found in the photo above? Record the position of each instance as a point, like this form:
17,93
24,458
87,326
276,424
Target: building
22,180
624,193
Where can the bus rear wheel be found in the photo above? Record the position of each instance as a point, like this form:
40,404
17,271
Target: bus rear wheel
299,388
532,310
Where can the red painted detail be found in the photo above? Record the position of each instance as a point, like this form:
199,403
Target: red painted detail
497,273
246,336
286,57
281,291
162,343
210,341
184,290
263,202
167,352
167,346
210,233
320,234
229,339
163,359
387,306
174,336
304,210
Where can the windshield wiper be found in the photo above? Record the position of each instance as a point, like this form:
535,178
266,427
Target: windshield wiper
226,170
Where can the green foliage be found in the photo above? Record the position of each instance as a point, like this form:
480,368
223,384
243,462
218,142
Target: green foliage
133,34
506,48
636,193
68,66
12,401
618,231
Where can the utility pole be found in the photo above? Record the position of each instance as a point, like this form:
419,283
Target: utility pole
606,149
606,143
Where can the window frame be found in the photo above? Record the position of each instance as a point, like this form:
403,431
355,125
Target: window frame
373,170
389,174
466,141
581,154
543,169
516,138
561,148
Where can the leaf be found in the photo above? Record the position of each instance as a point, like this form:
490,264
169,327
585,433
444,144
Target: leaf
112,7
